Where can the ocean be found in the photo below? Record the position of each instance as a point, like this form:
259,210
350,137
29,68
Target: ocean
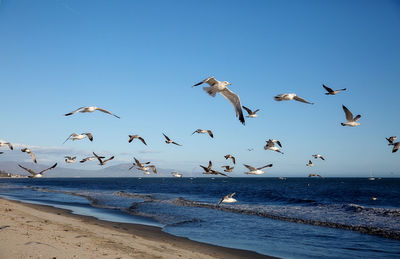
288,218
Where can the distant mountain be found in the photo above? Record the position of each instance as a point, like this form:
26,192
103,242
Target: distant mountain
120,170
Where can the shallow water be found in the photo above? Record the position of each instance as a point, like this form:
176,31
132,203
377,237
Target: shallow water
292,218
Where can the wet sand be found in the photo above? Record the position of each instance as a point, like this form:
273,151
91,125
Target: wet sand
39,231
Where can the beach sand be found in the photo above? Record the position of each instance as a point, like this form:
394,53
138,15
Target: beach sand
38,231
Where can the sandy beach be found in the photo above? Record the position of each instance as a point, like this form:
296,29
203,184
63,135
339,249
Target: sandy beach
37,231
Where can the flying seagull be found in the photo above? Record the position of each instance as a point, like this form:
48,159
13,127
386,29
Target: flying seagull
391,139
256,171
310,163
317,175
318,156
209,170
251,114
90,158
332,92
231,157
204,131
29,152
228,169
271,146
142,167
35,174
221,87
169,141
69,159
75,136
2,144
90,109
132,137
288,97
102,162
228,199
396,147
350,119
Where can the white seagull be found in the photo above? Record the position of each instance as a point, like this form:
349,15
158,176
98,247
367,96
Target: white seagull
316,156
289,97
350,119
228,169
169,141
2,144
227,199
204,131
69,159
29,152
251,114
35,174
310,164
256,171
75,136
90,158
132,137
271,146
391,139
101,161
332,92
90,109
221,87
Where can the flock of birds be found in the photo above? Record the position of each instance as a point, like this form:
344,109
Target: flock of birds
214,87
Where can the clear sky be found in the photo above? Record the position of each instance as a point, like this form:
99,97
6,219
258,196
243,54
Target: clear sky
139,59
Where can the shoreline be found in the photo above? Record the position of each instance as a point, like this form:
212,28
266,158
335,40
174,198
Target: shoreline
58,233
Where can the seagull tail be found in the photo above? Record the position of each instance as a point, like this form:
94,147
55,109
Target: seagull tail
342,124
210,91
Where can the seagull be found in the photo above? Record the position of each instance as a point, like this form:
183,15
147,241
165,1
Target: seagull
208,170
176,174
90,109
34,174
311,175
396,147
276,141
228,169
70,159
228,199
250,149
80,136
142,167
288,97
318,156
310,164
251,114
256,171
204,131
102,162
2,144
221,87
90,158
271,146
169,141
332,92
231,157
28,151
132,137
391,139
350,120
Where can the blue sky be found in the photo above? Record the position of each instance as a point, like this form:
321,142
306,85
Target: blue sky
139,59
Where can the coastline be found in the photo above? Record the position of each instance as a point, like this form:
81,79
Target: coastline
31,230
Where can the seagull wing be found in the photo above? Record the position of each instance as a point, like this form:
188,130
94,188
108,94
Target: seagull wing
153,168
233,160
33,157
89,135
357,117
102,110
247,110
173,142
322,157
210,80
98,158
270,165
53,166
396,147
301,100
83,160
279,143
209,164
235,101
111,158
141,139
231,195
327,89
347,112
9,145
29,170
69,137
70,113
166,137
250,167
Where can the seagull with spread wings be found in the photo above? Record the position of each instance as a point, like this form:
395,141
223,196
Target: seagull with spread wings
204,131
169,141
271,145
35,174
350,119
310,164
231,157
70,159
29,152
228,169
316,156
391,139
216,86
75,136
102,162
256,171
90,158
227,199
209,170
132,137
331,91
90,109
251,114
289,97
